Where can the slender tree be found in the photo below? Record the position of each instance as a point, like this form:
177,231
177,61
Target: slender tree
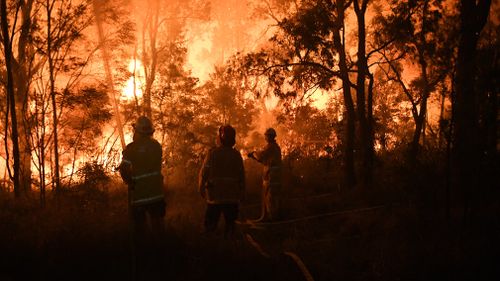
23,70
11,99
49,8
59,69
419,38
98,14
339,43
364,103
161,29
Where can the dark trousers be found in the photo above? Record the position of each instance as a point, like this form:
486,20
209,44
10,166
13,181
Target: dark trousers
147,238
156,212
212,215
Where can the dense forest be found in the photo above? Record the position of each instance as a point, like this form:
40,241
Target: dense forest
386,112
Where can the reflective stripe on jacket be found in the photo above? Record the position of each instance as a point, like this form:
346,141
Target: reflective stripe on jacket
222,176
144,155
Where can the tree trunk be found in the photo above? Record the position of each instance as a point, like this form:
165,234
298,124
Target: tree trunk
465,149
348,102
449,152
442,121
425,91
39,144
107,69
24,130
365,138
22,79
42,169
369,124
11,96
57,180
151,64
419,125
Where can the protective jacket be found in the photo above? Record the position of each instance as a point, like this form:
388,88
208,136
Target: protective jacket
141,170
270,157
222,176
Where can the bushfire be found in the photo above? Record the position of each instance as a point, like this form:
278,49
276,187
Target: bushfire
130,127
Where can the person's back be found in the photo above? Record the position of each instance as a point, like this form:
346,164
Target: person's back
222,182
225,176
141,170
144,154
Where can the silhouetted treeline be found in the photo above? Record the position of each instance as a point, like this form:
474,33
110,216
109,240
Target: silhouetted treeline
406,79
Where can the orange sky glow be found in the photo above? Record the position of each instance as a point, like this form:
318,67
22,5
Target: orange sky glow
209,43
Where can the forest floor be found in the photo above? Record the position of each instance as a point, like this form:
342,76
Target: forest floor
323,235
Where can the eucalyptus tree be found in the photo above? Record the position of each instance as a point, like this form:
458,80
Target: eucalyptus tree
10,97
19,25
188,115
49,63
176,107
161,24
229,99
115,31
364,108
422,34
65,22
310,51
91,111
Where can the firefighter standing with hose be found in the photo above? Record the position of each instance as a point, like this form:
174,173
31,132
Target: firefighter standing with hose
141,170
222,182
270,157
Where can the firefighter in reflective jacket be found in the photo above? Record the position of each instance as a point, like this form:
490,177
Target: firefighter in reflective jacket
141,170
270,157
222,182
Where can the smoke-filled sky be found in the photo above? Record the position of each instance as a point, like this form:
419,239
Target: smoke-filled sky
232,27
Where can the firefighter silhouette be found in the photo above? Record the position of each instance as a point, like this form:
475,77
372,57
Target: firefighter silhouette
141,170
270,157
222,182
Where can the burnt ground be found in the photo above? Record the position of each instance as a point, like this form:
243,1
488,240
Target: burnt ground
336,234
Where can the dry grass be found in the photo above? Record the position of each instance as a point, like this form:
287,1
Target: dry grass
84,234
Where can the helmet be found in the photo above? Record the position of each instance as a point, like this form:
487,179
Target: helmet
143,126
227,135
270,132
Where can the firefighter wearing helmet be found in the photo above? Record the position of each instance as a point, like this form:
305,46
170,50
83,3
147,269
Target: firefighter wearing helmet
141,170
270,157
222,182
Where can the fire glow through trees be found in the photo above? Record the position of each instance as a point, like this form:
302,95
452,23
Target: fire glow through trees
380,158
135,83
192,65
